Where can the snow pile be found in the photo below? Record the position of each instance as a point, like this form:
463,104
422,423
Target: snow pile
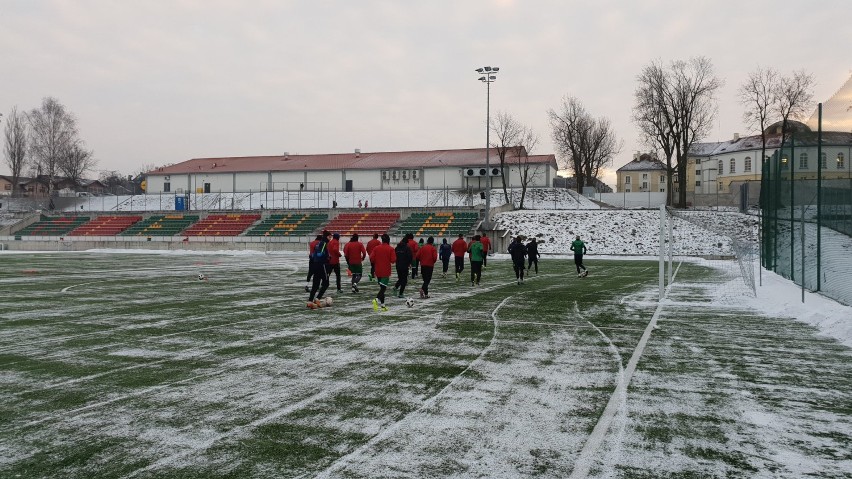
624,232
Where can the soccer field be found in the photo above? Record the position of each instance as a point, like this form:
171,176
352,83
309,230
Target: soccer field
126,365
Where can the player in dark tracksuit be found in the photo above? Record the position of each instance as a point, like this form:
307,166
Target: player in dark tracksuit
445,252
320,268
403,263
518,252
532,255
579,249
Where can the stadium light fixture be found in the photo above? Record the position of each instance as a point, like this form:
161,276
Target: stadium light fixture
490,76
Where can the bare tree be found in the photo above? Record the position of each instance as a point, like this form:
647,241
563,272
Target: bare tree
685,94
655,118
16,146
75,161
758,95
507,132
586,144
53,132
793,99
527,171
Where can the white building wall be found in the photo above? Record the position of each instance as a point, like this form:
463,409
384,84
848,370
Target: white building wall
363,179
254,181
322,180
287,180
453,177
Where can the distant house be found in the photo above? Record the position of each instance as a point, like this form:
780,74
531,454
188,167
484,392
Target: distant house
644,173
5,185
37,187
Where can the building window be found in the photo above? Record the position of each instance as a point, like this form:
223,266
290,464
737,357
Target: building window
697,182
839,161
627,180
698,161
662,190
783,162
697,172
823,162
167,187
803,161
627,190
674,179
721,168
747,166
8,186
662,178
733,166
644,176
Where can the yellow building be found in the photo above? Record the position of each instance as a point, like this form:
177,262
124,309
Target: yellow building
644,173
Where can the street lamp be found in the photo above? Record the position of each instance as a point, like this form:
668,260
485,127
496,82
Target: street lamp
489,75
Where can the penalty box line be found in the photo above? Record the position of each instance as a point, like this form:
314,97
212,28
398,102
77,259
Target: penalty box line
617,399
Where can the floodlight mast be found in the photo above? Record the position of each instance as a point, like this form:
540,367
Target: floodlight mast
490,76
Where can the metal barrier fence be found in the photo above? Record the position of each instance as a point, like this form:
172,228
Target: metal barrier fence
806,203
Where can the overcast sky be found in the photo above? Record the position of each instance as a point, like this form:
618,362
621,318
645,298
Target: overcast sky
157,82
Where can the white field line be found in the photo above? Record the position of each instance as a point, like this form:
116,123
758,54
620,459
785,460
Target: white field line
622,410
65,289
344,460
617,401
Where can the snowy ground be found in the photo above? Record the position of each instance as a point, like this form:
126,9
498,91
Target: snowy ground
628,232
124,365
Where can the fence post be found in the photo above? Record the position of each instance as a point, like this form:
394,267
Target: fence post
819,199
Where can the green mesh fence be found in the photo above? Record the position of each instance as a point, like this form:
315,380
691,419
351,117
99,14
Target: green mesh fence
806,203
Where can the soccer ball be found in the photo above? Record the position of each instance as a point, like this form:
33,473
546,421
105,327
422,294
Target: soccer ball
201,277
409,302
328,301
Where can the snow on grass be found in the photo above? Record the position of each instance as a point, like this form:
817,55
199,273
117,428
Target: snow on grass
502,380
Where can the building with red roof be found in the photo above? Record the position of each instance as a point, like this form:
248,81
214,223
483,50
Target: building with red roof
453,169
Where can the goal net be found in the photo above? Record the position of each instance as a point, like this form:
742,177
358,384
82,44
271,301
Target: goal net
725,240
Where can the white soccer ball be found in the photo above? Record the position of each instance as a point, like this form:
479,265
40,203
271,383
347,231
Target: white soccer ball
328,301
201,277
409,302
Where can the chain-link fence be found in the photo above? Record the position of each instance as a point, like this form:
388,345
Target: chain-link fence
806,203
